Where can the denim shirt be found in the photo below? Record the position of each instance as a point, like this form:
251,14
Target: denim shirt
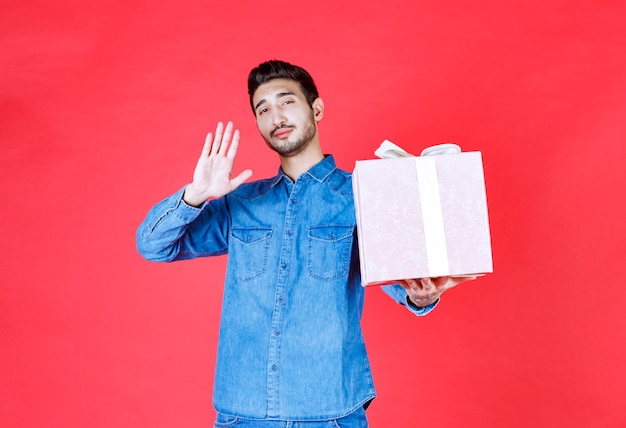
290,343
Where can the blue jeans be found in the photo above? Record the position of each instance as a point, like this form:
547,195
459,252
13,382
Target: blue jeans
356,419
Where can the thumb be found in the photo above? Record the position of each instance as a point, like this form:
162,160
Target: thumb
243,176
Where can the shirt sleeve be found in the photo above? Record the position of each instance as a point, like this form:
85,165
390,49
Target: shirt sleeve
174,230
398,293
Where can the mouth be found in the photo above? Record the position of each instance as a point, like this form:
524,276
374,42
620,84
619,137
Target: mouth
281,133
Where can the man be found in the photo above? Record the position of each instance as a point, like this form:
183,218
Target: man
290,346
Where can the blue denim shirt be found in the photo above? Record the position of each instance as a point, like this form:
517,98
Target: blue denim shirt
290,343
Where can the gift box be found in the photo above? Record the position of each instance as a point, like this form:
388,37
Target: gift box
422,216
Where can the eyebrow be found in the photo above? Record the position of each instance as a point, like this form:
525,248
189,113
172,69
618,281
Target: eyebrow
279,95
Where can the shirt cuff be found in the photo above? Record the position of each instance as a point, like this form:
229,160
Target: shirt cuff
420,310
183,209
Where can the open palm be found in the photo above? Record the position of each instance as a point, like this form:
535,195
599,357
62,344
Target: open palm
212,176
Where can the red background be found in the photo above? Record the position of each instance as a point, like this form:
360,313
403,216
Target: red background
104,108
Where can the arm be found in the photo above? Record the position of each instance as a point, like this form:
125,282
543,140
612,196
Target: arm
182,226
174,230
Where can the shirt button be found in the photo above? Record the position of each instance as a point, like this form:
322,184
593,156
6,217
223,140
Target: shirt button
277,333
283,266
274,367
281,299
294,201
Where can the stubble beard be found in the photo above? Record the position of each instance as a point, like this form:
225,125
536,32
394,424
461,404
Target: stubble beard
286,148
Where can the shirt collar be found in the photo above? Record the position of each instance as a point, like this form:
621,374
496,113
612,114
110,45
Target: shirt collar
320,171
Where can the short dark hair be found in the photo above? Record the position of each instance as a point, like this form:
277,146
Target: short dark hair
276,69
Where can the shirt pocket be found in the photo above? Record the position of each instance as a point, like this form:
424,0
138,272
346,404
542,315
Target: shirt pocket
225,421
329,250
249,250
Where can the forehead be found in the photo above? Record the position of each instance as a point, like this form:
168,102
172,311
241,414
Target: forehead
271,89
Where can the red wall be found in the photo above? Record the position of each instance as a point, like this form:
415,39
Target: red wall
104,108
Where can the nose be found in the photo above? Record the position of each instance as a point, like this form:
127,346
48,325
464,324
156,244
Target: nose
278,118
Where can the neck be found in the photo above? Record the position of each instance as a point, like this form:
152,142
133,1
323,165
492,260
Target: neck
296,165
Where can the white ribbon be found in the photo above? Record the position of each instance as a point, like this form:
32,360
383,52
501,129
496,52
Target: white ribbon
388,150
428,186
432,215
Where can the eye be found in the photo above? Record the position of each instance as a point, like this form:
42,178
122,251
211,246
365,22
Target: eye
261,112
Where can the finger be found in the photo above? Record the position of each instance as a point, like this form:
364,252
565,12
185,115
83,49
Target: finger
427,283
404,284
440,281
206,148
459,279
412,284
217,141
226,139
464,278
232,150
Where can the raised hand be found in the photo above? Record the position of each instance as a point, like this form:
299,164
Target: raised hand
211,178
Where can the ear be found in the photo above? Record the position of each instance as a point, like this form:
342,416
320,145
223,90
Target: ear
318,109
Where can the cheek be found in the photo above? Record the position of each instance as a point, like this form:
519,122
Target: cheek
264,127
260,125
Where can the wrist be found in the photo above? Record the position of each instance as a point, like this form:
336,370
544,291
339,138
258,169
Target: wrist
421,303
191,198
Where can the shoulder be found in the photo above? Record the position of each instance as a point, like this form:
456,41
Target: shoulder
340,181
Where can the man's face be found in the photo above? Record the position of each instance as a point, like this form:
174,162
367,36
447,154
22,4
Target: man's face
284,118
